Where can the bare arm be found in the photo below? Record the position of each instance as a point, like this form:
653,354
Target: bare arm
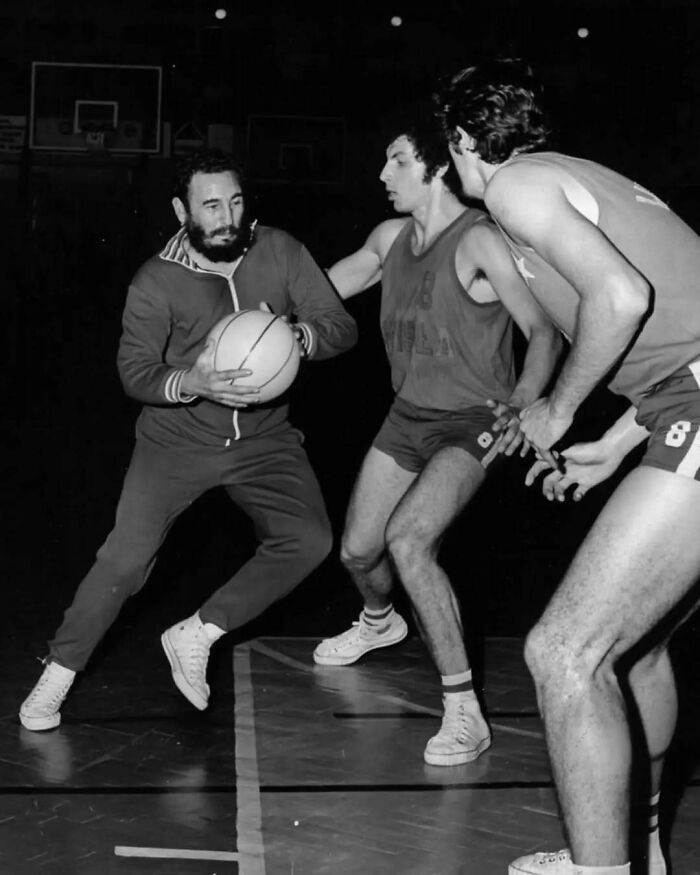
487,251
484,248
531,205
357,272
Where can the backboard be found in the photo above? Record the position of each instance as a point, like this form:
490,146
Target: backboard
296,149
71,101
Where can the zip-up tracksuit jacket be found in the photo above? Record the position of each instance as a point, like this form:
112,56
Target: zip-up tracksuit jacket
187,445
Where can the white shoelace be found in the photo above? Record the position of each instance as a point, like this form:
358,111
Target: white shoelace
50,689
557,857
195,658
456,723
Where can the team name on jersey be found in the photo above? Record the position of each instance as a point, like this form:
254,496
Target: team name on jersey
411,336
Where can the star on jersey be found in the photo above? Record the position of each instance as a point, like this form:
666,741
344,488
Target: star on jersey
522,270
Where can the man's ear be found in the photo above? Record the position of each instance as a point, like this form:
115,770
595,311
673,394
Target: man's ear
180,210
465,142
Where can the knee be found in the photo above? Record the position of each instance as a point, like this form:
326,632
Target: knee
562,665
405,545
123,563
315,542
356,556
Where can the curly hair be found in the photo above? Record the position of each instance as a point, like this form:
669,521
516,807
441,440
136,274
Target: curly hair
204,161
430,147
498,104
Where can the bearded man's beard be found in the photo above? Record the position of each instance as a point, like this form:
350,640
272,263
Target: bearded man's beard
215,246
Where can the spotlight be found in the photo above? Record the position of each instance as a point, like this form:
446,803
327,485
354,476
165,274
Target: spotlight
582,32
220,14
396,21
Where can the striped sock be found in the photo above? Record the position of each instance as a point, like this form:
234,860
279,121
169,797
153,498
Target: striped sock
655,855
377,619
458,685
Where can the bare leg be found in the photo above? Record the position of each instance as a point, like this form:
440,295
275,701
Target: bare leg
654,690
380,485
414,533
638,562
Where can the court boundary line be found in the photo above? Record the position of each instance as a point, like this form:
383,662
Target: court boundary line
250,843
174,854
407,705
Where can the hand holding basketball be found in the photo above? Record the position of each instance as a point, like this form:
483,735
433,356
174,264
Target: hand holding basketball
205,381
261,342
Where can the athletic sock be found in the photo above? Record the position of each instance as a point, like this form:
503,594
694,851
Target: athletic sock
654,847
212,631
376,619
459,686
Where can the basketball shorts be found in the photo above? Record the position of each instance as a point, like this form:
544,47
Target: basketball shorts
672,414
412,435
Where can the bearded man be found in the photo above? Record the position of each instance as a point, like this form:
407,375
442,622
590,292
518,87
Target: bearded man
201,428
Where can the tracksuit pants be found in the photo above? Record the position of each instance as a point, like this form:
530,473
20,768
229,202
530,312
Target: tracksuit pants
269,477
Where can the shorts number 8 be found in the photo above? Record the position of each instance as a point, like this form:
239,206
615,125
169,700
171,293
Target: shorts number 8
676,435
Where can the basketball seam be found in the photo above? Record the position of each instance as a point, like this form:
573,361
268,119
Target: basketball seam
233,318
281,367
223,331
257,340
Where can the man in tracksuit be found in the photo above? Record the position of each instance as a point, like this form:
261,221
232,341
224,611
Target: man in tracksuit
200,428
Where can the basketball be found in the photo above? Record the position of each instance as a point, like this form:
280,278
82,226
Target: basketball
260,342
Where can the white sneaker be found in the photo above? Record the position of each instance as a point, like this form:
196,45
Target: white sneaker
463,736
187,646
561,864
543,864
40,710
359,639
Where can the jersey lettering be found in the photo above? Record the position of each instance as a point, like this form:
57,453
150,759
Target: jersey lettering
413,337
425,300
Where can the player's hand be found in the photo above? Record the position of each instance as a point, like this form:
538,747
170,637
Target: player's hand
585,466
543,427
220,386
296,330
507,426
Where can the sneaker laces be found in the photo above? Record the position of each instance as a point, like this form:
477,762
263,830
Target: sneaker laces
563,856
196,655
456,722
50,689
346,637
359,629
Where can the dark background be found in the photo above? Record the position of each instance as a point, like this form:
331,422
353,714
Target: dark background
76,229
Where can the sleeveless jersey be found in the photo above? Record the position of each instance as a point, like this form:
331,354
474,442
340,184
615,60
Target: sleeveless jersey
658,244
446,351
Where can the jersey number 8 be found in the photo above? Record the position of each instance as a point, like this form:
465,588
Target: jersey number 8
677,433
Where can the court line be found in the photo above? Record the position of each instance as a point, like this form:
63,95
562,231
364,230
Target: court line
384,697
173,854
251,848
267,789
388,715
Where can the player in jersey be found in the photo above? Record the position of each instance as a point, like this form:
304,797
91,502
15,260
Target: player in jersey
449,294
618,272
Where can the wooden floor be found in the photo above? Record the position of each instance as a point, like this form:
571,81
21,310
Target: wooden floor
294,770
